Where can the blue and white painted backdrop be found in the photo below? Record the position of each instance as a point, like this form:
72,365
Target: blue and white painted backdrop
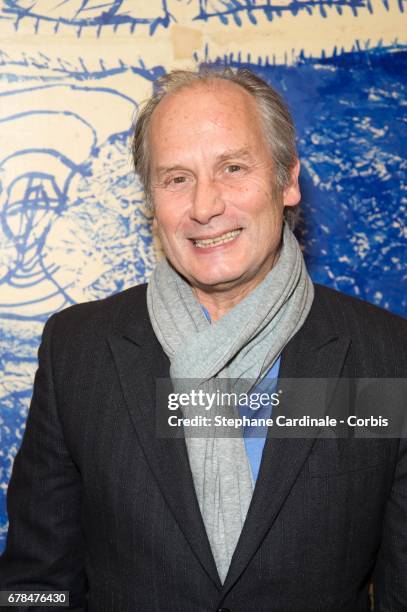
72,223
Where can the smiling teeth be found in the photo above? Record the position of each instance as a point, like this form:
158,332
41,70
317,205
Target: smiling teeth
219,240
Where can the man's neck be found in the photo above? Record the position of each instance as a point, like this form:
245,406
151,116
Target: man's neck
218,304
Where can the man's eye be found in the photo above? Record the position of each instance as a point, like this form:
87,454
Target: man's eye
233,168
174,181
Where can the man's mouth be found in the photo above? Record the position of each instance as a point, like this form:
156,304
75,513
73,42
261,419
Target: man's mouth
209,242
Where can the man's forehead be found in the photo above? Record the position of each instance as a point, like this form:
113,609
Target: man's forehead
201,113
212,121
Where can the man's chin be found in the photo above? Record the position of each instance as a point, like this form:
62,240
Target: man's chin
211,284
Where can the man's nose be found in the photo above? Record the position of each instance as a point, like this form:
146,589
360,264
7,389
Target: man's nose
207,201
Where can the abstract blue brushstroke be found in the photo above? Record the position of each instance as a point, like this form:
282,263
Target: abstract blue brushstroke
227,11
57,200
348,111
89,14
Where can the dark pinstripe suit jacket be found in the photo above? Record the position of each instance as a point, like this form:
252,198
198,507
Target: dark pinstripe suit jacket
100,506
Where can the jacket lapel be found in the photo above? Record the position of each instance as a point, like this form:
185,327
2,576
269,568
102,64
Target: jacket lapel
139,360
314,352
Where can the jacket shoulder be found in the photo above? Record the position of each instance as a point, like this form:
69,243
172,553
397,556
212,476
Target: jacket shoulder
378,337
103,315
347,311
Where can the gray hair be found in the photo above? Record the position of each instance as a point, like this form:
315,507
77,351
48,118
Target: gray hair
276,119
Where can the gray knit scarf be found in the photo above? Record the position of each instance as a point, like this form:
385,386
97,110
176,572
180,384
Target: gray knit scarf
243,344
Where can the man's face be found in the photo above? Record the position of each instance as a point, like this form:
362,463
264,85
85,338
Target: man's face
216,211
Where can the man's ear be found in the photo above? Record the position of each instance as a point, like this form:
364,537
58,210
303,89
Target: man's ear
292,193
155,224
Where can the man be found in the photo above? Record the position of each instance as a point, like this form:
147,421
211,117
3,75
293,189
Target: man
126,519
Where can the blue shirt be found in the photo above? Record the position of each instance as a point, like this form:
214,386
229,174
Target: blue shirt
255,437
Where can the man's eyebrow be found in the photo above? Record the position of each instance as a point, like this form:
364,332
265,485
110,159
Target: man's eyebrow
162,170
242,153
